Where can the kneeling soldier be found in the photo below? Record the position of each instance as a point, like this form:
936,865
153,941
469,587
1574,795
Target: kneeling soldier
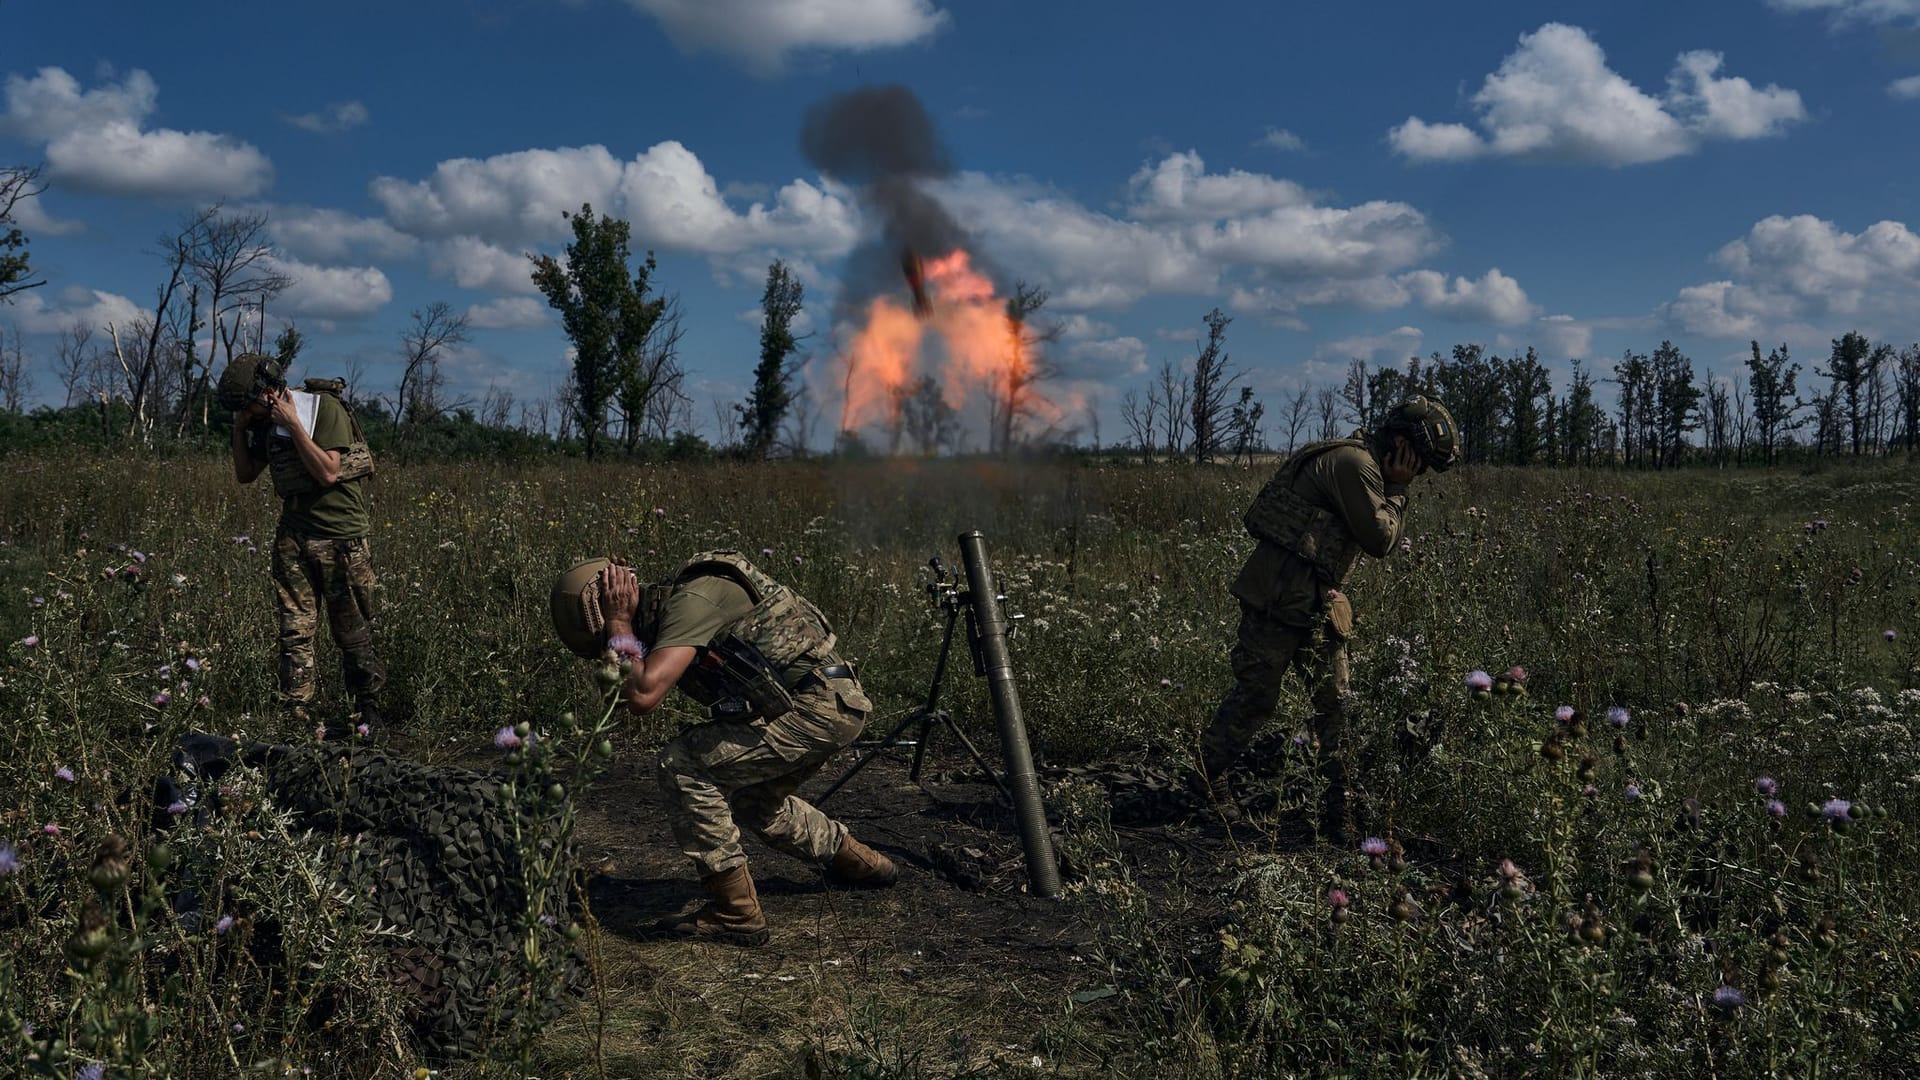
760,657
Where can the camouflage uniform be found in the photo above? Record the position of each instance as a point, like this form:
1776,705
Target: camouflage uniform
339,573
320,555
746,768
1326,506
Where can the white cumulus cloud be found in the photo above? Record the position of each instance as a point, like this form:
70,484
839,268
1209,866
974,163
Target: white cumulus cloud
1391,348
333,292
762,32
1495,298
1804,268
1907,89
1843,12
509,313
326,235
1554,99
95,140
72,306
1281,139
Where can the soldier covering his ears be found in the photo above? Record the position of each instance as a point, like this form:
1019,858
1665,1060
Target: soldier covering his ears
320,555
761,658
1330,502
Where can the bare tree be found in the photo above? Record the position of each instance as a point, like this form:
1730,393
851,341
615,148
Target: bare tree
1141,420
496,406
1296,415
802,416
74,359
930,424
420,397
229,256
1015,396
650,389
15,380
1327,404
1173,389
726,423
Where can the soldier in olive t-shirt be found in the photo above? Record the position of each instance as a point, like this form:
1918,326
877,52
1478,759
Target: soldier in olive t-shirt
320,551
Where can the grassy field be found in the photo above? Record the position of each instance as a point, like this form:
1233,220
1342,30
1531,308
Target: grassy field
1608,896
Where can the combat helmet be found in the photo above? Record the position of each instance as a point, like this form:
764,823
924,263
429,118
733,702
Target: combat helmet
246,375
577,618
1429,428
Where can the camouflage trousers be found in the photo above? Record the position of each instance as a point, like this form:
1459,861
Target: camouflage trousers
309,572
1267,650
723,774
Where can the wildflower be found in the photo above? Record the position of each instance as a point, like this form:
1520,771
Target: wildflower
30,641
797,560
1479,680
94,1071
1373,847
1517,674
1765,785
1618,716
1889,635
766,553
63,773
241,539
41,601
1590,791
362,730
1728,998
139,556
1776,808
659,511
1837,810
203,701
9,859
162,698
176,808
1633,792
506,739
225,924
1508,870
164,670
1165,683
1337,898
1564,714
239,1028
51,828
193,664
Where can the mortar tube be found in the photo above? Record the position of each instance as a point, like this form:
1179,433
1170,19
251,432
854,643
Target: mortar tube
1043,872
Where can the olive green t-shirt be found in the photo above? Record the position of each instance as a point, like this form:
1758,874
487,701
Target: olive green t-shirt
335,513
697,610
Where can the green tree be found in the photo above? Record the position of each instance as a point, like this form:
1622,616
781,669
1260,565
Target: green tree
1212,379
1853,364
1526,385
608,315
1676,410
1770,386
287,346
772,393
18,183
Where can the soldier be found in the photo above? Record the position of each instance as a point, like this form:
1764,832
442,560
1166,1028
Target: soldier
1330,502
760,657
320,548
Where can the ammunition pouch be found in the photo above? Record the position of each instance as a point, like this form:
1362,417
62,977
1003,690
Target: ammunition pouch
736,681
1282,517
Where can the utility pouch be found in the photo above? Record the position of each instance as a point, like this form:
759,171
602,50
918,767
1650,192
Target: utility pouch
742,676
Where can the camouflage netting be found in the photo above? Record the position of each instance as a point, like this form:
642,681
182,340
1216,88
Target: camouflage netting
430,849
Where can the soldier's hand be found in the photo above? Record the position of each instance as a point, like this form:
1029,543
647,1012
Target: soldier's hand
1401,465
282,410
619,594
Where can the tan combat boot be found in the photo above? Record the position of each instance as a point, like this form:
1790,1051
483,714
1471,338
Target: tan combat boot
857,866
732,916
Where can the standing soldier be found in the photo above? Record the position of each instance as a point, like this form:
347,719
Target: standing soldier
320,548
760,657
1330,502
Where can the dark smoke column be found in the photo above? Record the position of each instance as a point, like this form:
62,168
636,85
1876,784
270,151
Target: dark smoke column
881,140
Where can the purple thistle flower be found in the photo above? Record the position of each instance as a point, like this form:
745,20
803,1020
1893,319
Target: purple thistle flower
1728,998
139,556
94,1071
1765,785
9,859
63,773
505,739
164,670
1373,847
1479,680
41,601
176,808
1776,808
225,924
659,511
1165,683
239,1028
1564,714
362,730
193,664
1590,791
1836,810
203,701
797,560
1633,792
162,698
1337,898
1618,716
241,539
766,552
1889,635
30,640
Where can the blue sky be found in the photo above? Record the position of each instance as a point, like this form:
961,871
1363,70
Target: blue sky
1352,180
